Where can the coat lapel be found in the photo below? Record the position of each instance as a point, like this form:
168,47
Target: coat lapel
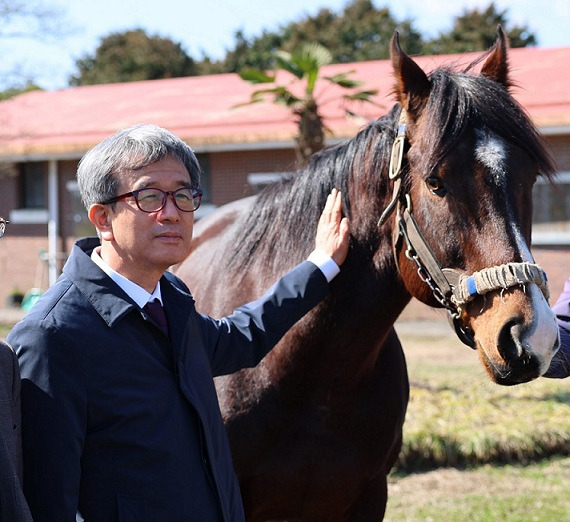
178,305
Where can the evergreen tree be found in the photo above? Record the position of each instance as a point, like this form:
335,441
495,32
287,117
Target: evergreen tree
132,56
361,32
476,30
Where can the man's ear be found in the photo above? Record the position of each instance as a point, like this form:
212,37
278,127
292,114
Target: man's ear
99,215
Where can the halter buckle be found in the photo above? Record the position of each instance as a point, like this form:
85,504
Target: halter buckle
397,155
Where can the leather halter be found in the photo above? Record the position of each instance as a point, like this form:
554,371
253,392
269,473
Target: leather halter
451,288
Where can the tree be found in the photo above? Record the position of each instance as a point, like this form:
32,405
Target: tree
476,30
10,92
132,56
32,21
258,54
360,32
304,65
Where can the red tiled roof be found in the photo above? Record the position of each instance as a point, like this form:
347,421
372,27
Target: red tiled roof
200,109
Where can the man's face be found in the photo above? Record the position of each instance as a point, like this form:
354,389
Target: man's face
140,245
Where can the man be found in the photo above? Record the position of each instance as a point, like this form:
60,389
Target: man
560,365
121,421
13,505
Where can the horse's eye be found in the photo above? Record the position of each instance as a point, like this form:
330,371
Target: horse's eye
435,186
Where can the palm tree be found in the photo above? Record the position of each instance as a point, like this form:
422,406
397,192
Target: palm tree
305,66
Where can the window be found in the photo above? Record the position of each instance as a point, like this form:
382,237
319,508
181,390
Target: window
33,186
204,160
81,225
32,194
259,180
205,184
551,211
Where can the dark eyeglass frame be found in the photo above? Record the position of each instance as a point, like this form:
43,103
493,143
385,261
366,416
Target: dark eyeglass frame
196,198
3,223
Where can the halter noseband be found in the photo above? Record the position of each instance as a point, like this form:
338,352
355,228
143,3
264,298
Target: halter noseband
452,289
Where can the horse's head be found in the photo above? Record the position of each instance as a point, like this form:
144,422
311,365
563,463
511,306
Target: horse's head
463,209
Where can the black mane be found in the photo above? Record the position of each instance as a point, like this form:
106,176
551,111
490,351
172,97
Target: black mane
284,217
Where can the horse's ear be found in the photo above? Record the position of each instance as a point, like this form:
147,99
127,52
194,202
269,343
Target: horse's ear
496,66
412,84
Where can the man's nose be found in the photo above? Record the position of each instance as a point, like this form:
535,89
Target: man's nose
170,210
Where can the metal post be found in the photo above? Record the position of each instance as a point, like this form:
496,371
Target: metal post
53,221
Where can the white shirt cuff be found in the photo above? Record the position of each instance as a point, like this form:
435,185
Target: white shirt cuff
325,264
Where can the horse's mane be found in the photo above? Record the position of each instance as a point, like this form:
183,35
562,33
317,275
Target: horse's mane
461,101
281,225
285,214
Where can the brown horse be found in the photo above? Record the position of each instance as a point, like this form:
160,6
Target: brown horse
316,427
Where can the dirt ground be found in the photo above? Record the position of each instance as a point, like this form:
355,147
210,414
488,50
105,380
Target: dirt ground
488,488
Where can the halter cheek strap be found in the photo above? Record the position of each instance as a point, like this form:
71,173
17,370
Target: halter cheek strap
395,169
452,289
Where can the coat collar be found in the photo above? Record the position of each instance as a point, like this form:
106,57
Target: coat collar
108,299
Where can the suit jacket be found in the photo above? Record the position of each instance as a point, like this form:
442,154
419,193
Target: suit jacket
560,366
120,423
13,507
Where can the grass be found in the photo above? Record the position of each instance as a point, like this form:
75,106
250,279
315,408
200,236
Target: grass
460,431
510,493
457,417
4,331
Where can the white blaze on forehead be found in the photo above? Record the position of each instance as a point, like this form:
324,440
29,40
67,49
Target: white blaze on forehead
542,336
491,152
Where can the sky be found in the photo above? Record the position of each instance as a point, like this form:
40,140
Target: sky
209,26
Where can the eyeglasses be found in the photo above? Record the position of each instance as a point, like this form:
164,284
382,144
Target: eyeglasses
154,199
3,223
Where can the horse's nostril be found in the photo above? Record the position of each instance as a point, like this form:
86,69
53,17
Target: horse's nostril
509,340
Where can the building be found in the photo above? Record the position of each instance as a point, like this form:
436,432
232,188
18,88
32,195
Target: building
44,134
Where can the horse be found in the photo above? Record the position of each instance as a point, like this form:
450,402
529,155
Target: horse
438,195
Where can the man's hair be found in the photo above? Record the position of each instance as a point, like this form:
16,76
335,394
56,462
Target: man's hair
126,151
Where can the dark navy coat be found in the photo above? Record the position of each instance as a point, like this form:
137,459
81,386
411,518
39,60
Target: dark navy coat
13,507
121,424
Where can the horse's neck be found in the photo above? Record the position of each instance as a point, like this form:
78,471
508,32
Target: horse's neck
344,335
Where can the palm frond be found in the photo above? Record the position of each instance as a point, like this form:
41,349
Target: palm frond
285,61
281,95
364,96
312,56
256,76
342,80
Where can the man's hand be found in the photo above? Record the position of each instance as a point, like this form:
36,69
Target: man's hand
332,231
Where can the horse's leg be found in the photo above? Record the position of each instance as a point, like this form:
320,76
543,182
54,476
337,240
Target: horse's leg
371,505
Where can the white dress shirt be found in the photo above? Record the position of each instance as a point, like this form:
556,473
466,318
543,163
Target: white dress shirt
141,297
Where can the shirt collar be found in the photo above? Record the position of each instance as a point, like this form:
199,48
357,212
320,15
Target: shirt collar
137,293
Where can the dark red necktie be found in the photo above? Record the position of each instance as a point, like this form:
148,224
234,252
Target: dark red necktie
156,313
